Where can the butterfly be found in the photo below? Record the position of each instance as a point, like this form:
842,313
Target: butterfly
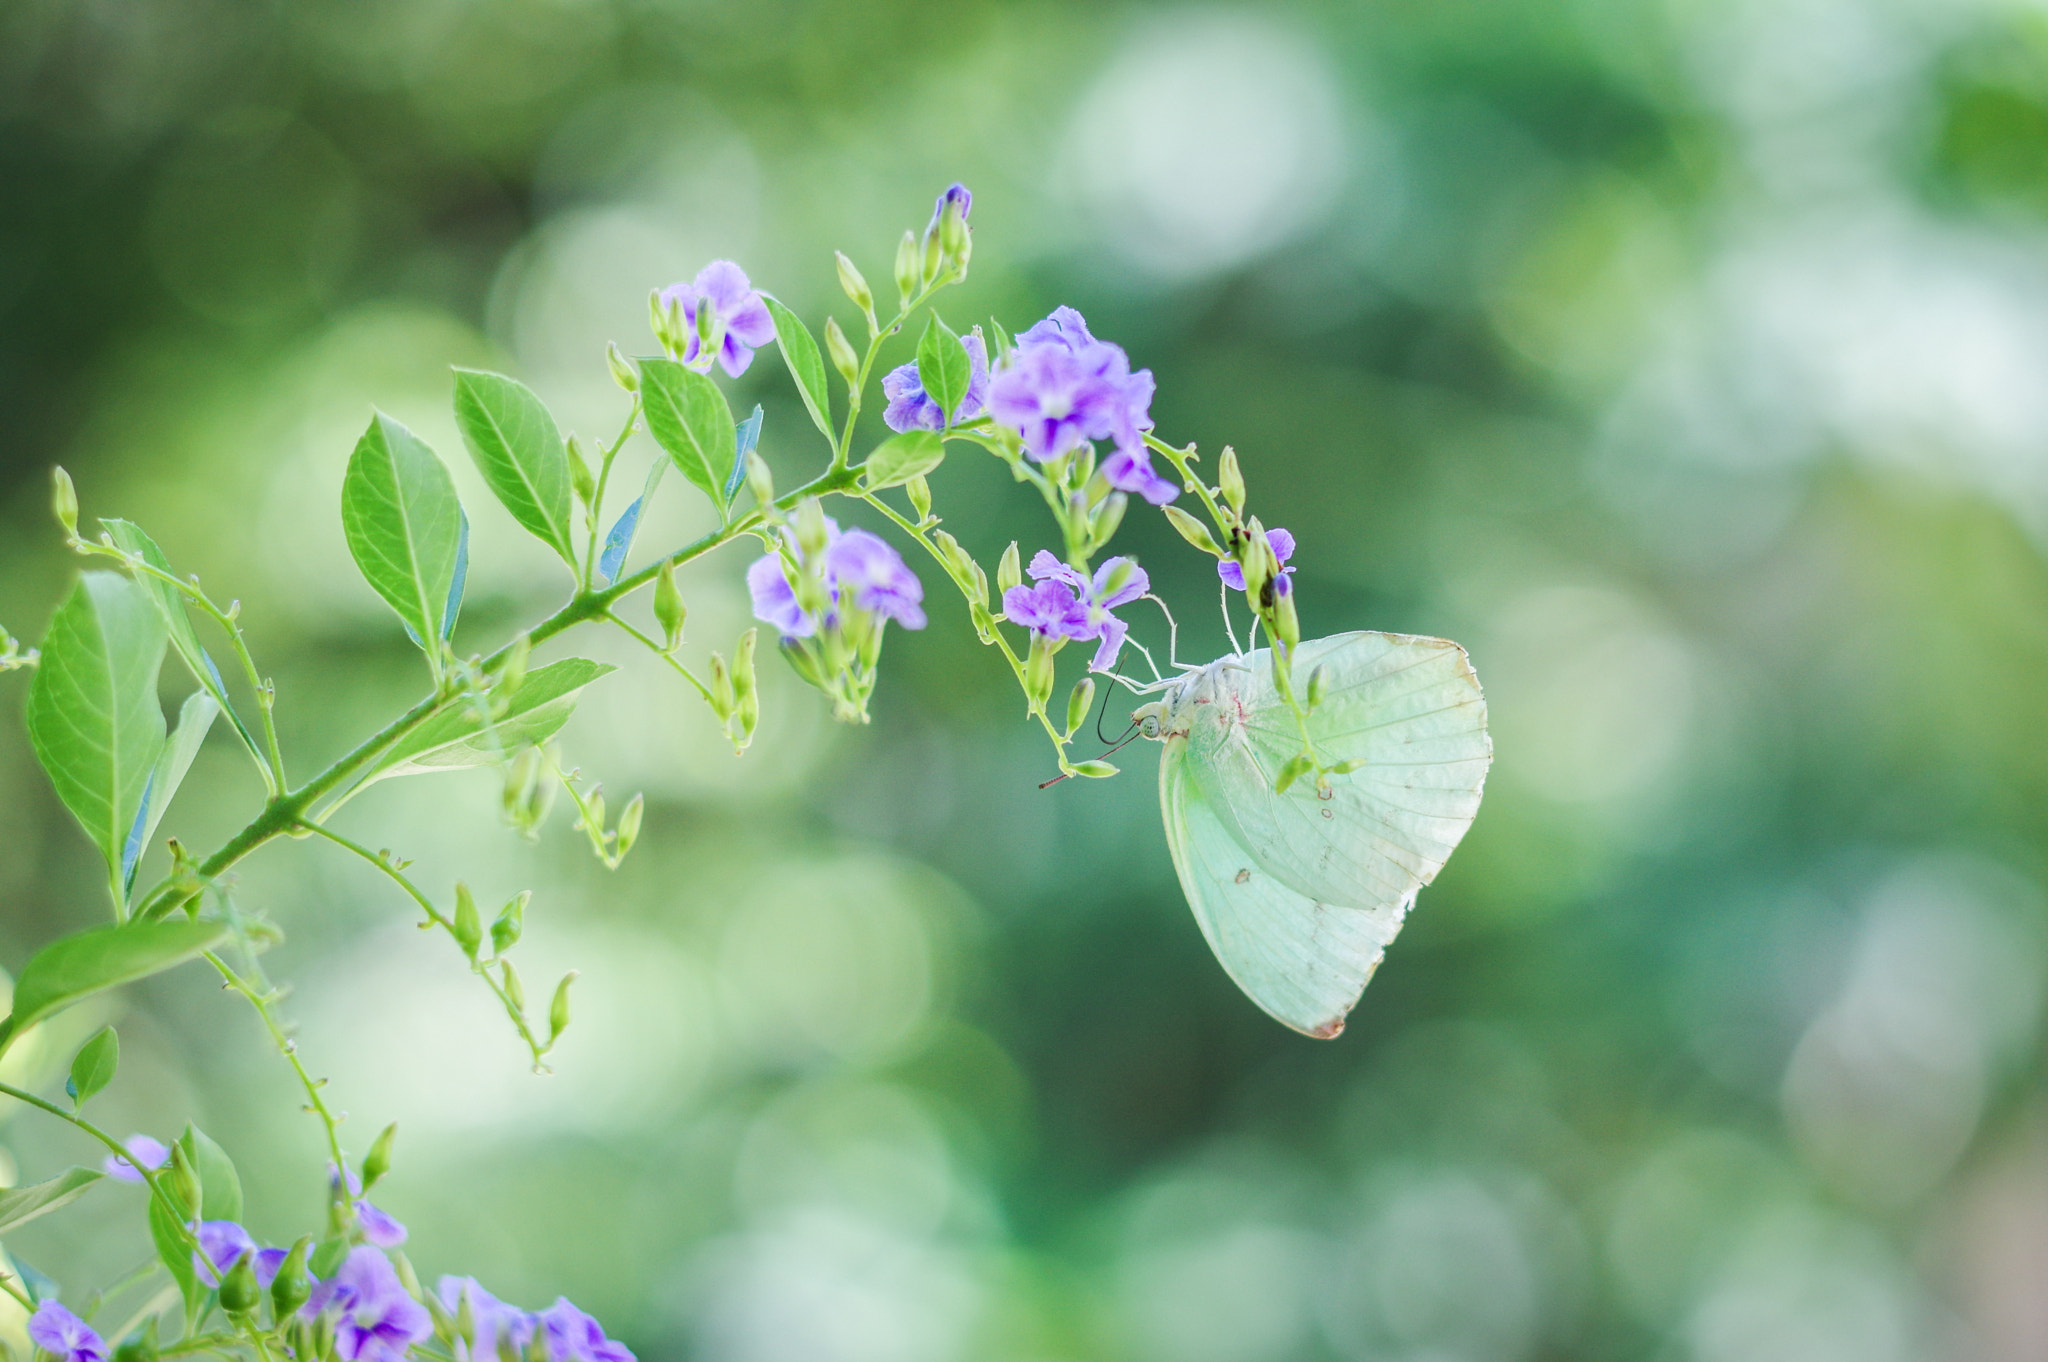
1299,892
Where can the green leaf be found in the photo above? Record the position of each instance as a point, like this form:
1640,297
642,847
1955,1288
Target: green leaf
943,367
403,523
689,417
175,1249
457,737
900,458
806,365
195,720
19,1205
220,1187
519,450
93,961
93,1066
92,710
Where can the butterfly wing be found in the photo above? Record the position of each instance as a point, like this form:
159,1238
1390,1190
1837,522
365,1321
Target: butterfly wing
1305,962
1408,709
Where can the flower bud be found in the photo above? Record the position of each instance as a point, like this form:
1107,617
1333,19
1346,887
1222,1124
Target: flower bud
803,661
623,372
722,695
520,778
669,611
239,1293
515,992
593,805
1297,766
512,673
558,1010
377,1162
1009,572
1108,516
469,932
64,500
328,1257
1095,770
139,1346
957,561
841,350
1230,480
1345,768
953,234
629,823
709,328
854,285
290,1287
1079,703
1038,671
1253,556
510,922
182,1182
934,257
580,478
1289,623
906,268
658,318
920,493
1192,530
760,481
743,664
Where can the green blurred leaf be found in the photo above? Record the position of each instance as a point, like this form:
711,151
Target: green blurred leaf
800,352
92,710
900,458
175,1250
92,1068
689,417
519,450
404,524
195,721
458,738
19,1205
943,367
220,1187
89,962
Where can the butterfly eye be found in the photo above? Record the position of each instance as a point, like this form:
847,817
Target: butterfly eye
1149,725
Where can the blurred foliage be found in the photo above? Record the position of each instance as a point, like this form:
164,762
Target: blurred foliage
1682,360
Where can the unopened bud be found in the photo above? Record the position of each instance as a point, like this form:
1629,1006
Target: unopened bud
953,233
1318,683
1079,703
1095,770
1345,768
1289,622
658,318
957,561
623,372
906,268
469,931
743,663
759,480
1038,672
708,327
64,500
810,528
183,1182
920,493
934,256
669,611
1230,479
289,1288
520,779
1192,530
841,350
239,1293
1108,517
593,809
722,696
854,285
1009,572
513,672
510,922
515,992
558,1010
377,1162
629,823
580,477
1297,766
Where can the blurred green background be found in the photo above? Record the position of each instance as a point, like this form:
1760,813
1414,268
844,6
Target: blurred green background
1687,361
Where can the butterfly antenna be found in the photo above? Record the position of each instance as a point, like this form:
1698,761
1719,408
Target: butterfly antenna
1103,712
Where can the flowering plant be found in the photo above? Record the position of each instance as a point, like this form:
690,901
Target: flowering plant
1063,410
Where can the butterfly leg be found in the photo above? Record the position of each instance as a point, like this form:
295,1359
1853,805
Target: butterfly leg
1229,630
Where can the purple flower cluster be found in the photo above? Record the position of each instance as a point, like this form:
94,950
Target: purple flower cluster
860,571
910,407
377,1319
379,1228
566,1333
1067,605
738,309
1282,544
64,1335
1061,388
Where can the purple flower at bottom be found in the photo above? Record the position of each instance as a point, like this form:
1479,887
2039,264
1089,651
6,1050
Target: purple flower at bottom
573,1336
146,1151
1049,610
911,408
1130,470
1065,604
379,1227
57,1331
1282,544
860,569
495,1323
739,309
378,1320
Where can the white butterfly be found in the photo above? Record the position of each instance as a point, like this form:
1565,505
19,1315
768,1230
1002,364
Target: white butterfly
1300,892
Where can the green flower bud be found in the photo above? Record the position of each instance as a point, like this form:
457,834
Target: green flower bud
515,992
580,478
709,326
1193,530
510,922
1079,703
854,285
1094,770
64,500
934,257
906,268
743,663
623,372
1010,571
1297,766
1318,684
759,480
1230,480
1038,670
182,1182
810,528
290,1287
723,696
558,1010
669,611
513,672
239,1293
520,778
469,932
377,1162
841,351
1107,518
1345,768
629,823
1288,623
920,497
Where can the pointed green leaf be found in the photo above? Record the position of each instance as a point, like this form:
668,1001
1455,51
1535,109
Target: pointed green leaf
403,523
943,367
220,1187
900,458
175,1249
690,418
458,737
195,720
806,365
92,710
92,1068
519,450
19,1205
89,962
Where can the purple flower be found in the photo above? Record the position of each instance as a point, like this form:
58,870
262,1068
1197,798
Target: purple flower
379,1227
496,1323
1062,388
573,1336
739,309
956,193
145,1151
860,569
1066,604
910,407
379,1321
1282,544
222,1244
57,1331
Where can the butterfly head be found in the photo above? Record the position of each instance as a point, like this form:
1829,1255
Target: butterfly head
1151,720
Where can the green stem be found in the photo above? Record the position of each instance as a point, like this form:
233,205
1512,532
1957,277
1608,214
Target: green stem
261,999
7,1285
664,655
604,475
859,386
151,1178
